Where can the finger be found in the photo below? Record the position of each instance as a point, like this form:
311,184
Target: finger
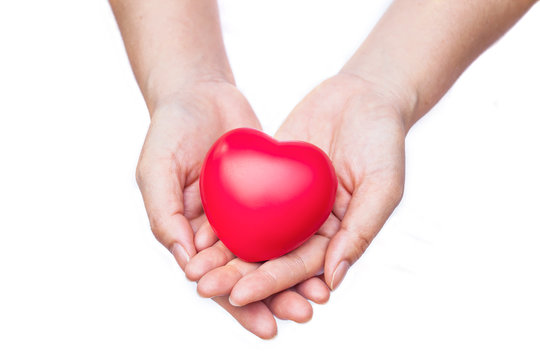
289,305
281,273
161,188
193,209
370,206
208,259
255,317
314,289
330,226
205,236
220,281
197,222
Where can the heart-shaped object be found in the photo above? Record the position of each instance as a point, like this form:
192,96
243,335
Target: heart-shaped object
262,197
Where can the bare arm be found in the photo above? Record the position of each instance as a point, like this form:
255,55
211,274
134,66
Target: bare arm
420,48
171,43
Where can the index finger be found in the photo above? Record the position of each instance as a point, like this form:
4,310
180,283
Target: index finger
279,274
162,191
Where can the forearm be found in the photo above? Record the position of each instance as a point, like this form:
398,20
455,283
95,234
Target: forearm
420,48
171,43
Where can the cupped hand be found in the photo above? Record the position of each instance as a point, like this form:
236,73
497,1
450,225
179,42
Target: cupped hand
181,132
359,125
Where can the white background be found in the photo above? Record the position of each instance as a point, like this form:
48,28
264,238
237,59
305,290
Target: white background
454,273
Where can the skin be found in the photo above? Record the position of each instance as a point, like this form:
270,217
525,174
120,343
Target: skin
177,55
360,117
343,111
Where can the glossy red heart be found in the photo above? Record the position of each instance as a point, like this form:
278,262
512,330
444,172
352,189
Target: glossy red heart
262,197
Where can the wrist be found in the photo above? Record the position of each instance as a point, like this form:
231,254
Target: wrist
401,96
168,91
200,98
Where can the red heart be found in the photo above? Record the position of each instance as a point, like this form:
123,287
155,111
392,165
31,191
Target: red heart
262,197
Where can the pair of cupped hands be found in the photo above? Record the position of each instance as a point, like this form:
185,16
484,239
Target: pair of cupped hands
355,121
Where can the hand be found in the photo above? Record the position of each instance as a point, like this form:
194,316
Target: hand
358,124
181,132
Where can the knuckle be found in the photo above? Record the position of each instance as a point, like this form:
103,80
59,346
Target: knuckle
234,267
358,245
297,265
269,276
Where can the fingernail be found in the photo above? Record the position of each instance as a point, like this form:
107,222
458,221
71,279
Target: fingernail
231,301
242,294
339,274
180,254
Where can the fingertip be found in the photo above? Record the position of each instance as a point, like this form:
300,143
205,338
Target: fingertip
323,297
267,330
314,289
320,296
233,302
180,255
256,317
336,256
328,278
304,314
289,305
176,235
213,284
193,271
261,321
205,237
339,274
185,236
329,274
239,296
207,260
308,315
206,289
265,327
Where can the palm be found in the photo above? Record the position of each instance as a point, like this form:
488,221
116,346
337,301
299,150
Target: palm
361,133
178,138
168,175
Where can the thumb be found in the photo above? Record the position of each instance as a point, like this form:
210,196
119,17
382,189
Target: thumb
162,191
369,208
